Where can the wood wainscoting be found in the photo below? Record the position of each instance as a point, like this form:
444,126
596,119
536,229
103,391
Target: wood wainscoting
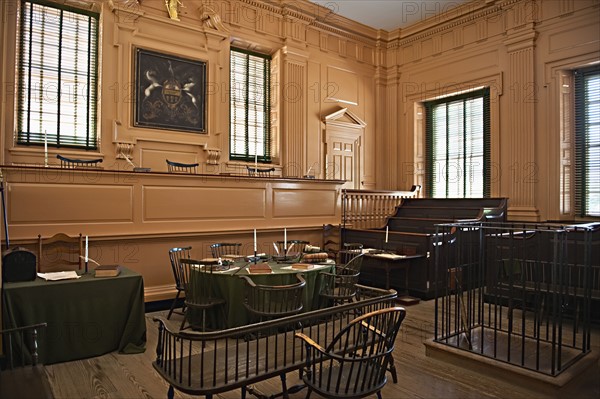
135,218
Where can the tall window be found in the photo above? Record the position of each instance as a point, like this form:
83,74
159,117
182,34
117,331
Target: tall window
587,142
250,106
458,146
58,56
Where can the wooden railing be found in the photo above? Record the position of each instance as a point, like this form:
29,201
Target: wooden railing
366,209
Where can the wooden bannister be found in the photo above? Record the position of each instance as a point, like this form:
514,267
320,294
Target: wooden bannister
366,209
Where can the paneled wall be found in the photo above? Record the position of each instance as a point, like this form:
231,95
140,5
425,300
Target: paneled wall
322,63
521,49
134,218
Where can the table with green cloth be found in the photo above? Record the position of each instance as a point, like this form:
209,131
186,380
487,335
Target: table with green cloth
229,286
86,317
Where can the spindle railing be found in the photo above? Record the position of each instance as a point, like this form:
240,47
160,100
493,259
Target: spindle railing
365,209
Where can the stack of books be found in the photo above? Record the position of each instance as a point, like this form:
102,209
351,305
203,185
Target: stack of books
107,271
315,258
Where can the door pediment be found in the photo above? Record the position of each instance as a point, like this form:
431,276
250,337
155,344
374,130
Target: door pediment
344,118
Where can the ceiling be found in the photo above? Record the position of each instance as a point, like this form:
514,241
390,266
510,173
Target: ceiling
388,14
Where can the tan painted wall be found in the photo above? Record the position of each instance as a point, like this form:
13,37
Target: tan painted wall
518,49
321,63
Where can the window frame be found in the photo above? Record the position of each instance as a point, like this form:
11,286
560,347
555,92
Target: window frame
581,140
429,147
249,154
25,134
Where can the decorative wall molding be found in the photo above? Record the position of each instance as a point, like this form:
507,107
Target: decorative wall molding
124,150
213,155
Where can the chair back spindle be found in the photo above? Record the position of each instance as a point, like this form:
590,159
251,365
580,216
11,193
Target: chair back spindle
180,167
226,250
273,301
175,256
196,278
355,363
260,172
72,163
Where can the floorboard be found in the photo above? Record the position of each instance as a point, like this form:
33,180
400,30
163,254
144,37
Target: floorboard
420,377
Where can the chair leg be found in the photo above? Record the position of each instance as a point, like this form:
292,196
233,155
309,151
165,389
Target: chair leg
173,305
170,392
379,395
185,315
392,368
284,386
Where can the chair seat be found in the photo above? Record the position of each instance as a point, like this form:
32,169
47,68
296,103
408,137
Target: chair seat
346,382
354,363
205,303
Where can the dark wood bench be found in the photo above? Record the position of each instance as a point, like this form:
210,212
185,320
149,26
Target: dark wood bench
412,230
208,363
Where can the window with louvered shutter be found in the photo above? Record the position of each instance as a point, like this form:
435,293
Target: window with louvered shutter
250,106
58,55
587,142
458,146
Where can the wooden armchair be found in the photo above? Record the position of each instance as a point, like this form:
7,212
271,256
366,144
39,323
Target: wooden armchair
331,240
175,256
340,286
230,250
178,167
292,246
59,253
265,302
21,374
196,278
350,250
260,172
72,163
355,363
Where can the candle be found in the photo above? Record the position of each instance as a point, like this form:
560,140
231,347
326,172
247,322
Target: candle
284,238
86,249
255,155
386,234
45,148
254,241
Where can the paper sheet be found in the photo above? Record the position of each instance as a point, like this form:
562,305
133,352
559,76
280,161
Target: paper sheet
59,275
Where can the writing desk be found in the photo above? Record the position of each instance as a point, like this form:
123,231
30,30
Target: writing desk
86,317
229,286
375,262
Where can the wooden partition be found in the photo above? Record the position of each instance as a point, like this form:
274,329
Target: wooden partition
134,218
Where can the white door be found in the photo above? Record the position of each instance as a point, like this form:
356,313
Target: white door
343,158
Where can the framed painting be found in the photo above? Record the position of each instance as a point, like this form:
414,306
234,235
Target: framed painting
170,92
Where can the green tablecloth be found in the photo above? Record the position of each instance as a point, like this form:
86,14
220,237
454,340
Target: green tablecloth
229,286
86,317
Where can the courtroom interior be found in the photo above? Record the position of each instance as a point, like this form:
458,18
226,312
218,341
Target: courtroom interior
440,177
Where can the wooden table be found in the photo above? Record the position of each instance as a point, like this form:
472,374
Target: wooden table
86,317
229,286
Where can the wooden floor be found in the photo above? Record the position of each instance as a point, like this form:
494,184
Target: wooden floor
132,376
